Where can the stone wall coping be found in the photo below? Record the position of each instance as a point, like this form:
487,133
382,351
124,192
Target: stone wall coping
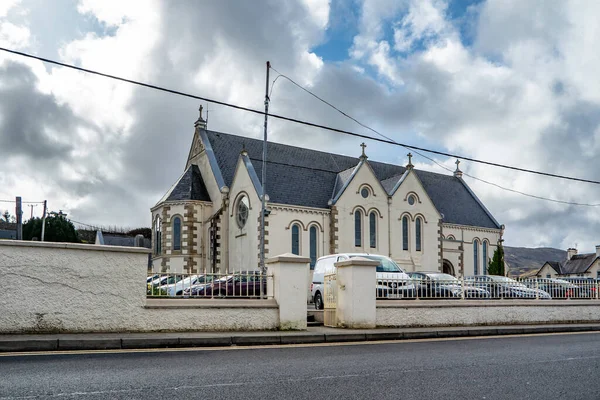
484,303
74,246
288,258
210,303
357,262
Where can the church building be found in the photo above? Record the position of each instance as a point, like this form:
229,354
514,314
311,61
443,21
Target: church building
317,203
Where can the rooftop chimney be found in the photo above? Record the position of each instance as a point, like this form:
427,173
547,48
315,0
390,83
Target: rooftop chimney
598,250
571,252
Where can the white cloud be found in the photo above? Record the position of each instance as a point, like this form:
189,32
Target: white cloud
13,36
6,5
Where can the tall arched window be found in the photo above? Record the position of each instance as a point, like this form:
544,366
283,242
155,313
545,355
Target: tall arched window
176,233
157,236
296,240
475,257
485,258
405,233
358,228
373,229
313,246
418,234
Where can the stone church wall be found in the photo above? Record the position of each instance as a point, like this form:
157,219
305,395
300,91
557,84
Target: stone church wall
465,236
428,259
244,242
281,220
350,201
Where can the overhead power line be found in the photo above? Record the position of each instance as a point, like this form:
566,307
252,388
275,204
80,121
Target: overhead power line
280,75
297,121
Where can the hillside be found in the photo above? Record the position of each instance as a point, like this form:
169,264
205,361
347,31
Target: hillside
523,260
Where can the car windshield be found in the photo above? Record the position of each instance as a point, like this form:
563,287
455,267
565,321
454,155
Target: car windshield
385,264
444,277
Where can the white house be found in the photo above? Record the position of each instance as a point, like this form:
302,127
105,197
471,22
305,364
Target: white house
586,265
318,203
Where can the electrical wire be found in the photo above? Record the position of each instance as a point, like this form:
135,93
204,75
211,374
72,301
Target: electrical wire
301,122
422,155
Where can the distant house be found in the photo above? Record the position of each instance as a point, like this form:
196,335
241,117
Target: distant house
8,230
587,265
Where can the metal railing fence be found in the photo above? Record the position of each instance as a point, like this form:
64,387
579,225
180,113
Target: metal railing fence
245,284
482,287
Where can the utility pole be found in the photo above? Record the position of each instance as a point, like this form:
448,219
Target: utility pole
44,221
19,215
31,207
263,210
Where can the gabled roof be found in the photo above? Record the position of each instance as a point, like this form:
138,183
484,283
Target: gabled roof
555,265
304,177
578,264
189,186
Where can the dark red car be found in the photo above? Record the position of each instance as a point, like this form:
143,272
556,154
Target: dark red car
239,284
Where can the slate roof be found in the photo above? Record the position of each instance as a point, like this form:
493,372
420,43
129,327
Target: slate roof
126,241
578,264
555,265
305,177
190,186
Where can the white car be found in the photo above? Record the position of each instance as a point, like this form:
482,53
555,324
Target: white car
389,275
178,288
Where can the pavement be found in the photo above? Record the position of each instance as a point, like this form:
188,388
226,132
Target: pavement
314,334
556,366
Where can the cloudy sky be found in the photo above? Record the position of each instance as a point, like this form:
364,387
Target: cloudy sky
509,81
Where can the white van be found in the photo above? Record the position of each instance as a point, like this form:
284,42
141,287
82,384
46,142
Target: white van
389,275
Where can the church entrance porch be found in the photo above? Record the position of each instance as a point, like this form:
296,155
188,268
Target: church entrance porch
448,268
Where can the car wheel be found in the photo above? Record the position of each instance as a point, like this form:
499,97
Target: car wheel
318,301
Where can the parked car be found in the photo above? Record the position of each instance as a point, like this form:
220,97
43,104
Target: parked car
155,287
435,285
557,288
505,287
240,284
177,288
588,286
392,281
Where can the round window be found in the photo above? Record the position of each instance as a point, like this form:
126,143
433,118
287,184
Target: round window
364,193
411,199
242,212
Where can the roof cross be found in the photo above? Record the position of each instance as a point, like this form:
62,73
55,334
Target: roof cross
363,145
457,162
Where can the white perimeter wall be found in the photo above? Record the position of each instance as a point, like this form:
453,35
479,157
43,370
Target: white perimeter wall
412,313
58,287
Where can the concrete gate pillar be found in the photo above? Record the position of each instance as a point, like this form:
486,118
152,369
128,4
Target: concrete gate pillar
288,287
356,285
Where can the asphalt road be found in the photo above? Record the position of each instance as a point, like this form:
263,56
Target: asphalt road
532,367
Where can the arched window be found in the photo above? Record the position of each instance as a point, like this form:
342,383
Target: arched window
157,236
176,233
373,229
358,228
475,257
313,246
418,234
296,240
485,258
405,233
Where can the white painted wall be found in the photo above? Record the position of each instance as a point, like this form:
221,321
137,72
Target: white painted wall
57,287
469,313
243,243
351,200
465,236
412,260
281,219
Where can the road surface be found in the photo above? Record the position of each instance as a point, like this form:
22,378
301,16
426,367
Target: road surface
524,367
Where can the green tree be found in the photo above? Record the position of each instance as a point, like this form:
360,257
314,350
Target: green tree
58,229
496,266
